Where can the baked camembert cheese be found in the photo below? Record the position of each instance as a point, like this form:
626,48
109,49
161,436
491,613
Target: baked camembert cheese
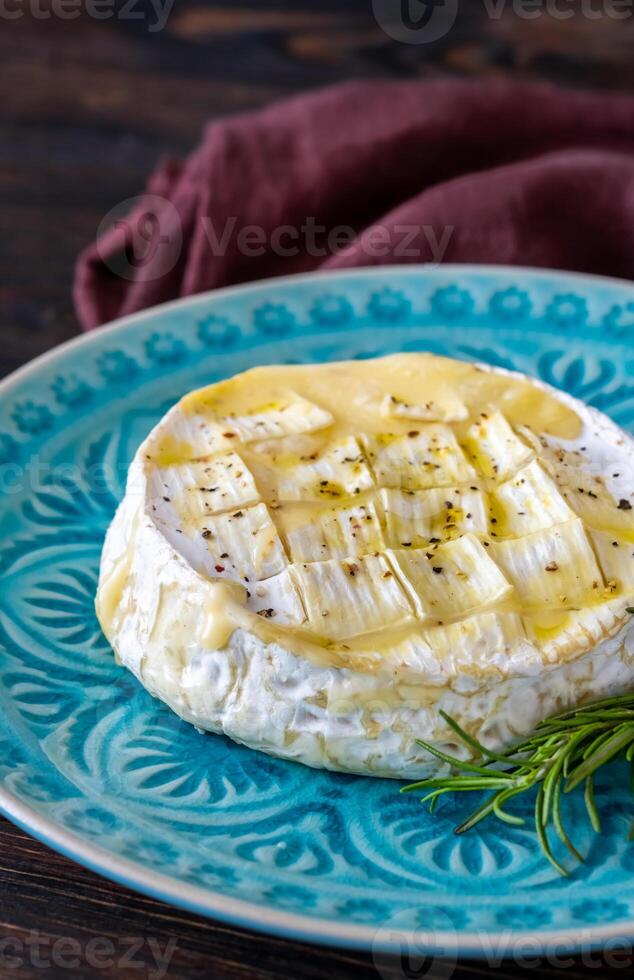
317,560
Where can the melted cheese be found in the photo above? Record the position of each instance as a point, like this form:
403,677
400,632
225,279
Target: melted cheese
219,619
352,392
115,578
306,413
289,582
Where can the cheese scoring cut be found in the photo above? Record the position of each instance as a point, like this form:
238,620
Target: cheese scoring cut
495,448
372,596
582,481
338,532
425,456
277,600
616,558
317,559
555,567
202,487
529,501
331,472
287,416
446,409
451,580
243,545
415,518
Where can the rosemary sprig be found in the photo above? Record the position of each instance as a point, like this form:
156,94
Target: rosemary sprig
564,752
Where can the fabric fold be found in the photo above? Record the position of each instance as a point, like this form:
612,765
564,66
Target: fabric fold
371,173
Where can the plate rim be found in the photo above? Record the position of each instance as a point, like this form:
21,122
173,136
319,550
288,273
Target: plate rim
85,337
289,925
214,904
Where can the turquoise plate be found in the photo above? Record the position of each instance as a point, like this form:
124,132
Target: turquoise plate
95,767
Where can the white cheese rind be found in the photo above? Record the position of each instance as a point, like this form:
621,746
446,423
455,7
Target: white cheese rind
355,720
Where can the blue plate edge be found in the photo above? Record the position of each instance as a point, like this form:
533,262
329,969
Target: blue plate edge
289,925
300,928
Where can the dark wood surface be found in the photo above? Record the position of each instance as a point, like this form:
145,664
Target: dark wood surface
87,108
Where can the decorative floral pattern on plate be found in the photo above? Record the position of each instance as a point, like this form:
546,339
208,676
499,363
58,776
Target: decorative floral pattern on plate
83,746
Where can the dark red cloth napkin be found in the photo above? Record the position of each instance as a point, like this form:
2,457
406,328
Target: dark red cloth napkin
421,171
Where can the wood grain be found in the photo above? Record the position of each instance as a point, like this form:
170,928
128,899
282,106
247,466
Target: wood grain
88,107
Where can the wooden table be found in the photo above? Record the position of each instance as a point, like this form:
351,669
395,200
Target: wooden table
87,108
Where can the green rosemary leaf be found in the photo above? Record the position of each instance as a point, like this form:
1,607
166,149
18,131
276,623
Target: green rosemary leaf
550,784
563,752
483,811
559,826
455,784
479,787
594,707
606,717
596,743
457,763
469,740
542,835
509,818
432,797
500,800
432,783
619,740
591,806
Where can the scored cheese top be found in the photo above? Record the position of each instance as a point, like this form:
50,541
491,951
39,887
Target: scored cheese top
379,510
